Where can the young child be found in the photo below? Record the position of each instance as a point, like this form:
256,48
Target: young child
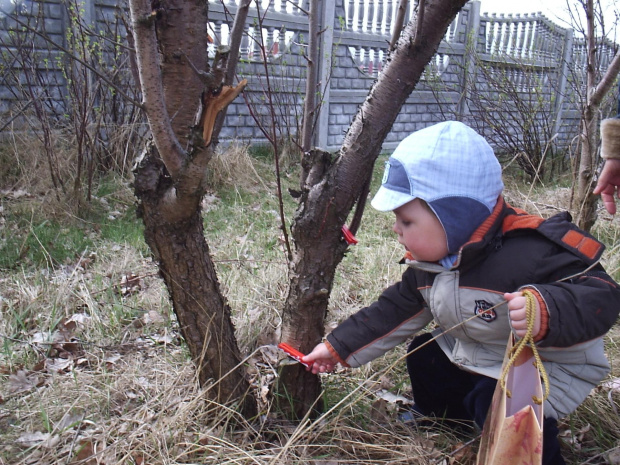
467,251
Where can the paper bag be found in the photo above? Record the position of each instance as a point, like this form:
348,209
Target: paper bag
512,432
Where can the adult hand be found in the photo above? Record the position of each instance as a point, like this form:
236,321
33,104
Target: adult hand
518,314
609,183
323,360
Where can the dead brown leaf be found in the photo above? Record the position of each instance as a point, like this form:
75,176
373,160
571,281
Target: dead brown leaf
85,454
613,458
612,384
153,317
37,439
111,360
85,262
138,458
66,349
70,419
60,342
58,365
463,454
46,338
379,411
67,325
39,366
23,381
165,339
15,194
93,452
576,439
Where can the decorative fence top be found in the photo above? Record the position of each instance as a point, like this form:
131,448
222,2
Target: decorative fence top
523,37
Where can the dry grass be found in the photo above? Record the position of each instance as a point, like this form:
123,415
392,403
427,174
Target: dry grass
25,161
233,166
92,369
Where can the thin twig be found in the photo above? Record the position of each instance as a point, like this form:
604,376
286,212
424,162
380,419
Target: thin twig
273,137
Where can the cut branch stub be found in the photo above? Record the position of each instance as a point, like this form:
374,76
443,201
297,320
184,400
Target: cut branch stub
214,103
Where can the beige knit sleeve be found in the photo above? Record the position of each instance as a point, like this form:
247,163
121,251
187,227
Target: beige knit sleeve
610,138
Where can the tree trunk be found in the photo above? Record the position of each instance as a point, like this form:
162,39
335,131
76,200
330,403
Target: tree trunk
171,52
182,255
586,206
319,250
331,189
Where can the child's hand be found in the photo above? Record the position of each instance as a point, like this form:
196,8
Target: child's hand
518,314
322,358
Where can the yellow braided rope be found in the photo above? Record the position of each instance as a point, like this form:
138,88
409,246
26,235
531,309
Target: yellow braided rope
528,339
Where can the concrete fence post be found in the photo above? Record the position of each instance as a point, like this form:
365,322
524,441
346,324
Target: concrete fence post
563,80
469,63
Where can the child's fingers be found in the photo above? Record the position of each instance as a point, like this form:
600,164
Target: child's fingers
518,321
321,359
509,296
518,315
515,300
321,366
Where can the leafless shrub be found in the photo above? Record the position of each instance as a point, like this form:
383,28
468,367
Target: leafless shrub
80,93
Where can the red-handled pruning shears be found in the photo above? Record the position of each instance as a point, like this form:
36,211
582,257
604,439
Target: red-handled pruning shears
294,354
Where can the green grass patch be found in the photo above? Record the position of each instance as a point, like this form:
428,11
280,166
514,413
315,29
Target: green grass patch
261,151
43,232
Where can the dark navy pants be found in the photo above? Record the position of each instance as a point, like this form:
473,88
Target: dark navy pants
443,390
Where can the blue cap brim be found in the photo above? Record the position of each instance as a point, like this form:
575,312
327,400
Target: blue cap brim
386,200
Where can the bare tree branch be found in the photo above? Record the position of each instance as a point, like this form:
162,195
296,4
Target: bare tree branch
607,80
143,22
236,36
399,23
311,76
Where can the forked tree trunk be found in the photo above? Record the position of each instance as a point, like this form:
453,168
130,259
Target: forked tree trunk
171,52
182,254
331,188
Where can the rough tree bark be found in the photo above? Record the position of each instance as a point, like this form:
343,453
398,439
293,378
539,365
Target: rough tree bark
181,97
585,200
334,184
